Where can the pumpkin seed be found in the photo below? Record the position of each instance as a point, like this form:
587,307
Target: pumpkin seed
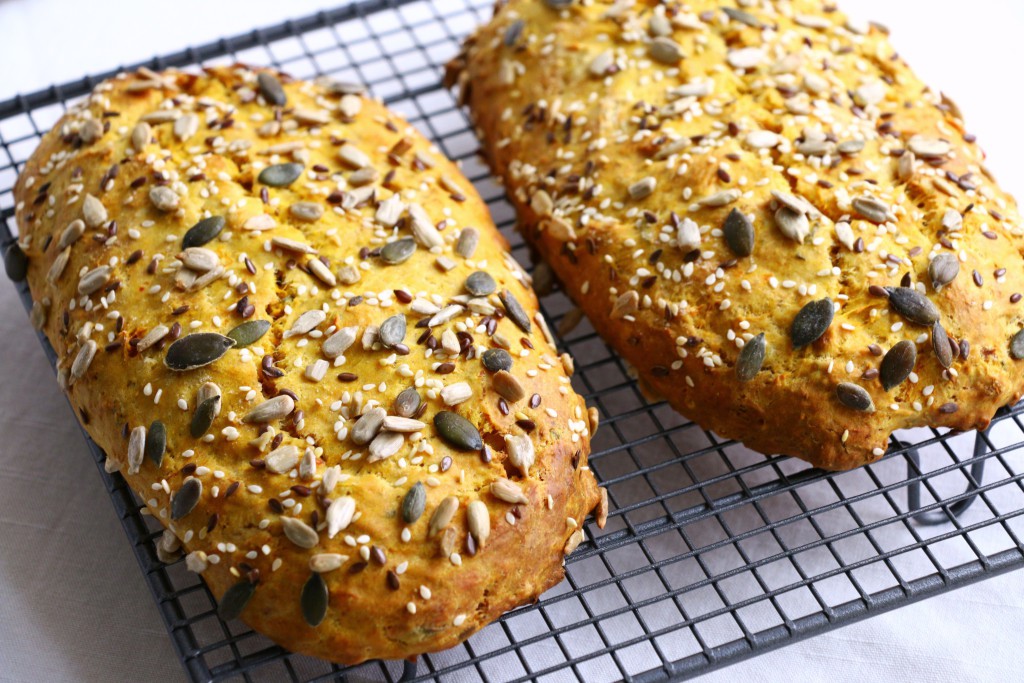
897,364
497,359
666,50
281,175
15,263
196,350
271,409
186,498
469,238
558,4
742,17
1017,346
156,442
442,516
234,600
407,402
202,232
339,515
941,346
339,342
392,331
739,233
306,211
811,322
792,224
912,305
249,332
271,89
515,311
300,533
202,419
478,519
751,358
513,31
943,269
480,283
314,600
855,396
398,251
414,503
458,431
367,426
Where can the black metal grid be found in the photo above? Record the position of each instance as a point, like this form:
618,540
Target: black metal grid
712,553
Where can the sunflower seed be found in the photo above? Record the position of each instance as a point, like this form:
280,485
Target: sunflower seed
897,364
280,175
793,225
186,126
186,498
521,452
508,491
811,322
199,259
508,387
40,310
599,65
906,166
164,198
156,442
83,360
136,449
234,600
943,269
414,502
872,209
314,600
457,431
259,222
912,305
317,370
745,58
152,337
423,230
71,234
642,188
407,402
940,344
196,350
854,396
271,409
249,332
140,136
742,17
398,251
282,460
291,245
321,272
350,105
573,542
496,359
202,419
723,198
367,426
308,212
94,280
300,533
58,266
844,233
457,393
339,515
469,238
354,157
751,358
762,139
442,516
406,425
306,322
515,311
478,519
93,212
1017,346
739,233
202,232
850,147
326,562
389,211
480,283
558,4
384,445
339,342
928,147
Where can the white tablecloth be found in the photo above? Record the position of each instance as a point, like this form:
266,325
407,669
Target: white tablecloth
73,605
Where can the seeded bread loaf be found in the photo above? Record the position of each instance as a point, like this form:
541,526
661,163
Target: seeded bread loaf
762,208
294,329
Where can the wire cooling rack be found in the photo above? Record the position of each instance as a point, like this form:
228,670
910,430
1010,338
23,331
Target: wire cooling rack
711,554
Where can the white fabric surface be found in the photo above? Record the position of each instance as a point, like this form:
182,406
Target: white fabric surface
73,605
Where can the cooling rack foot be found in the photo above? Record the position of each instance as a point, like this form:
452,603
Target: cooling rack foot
941,516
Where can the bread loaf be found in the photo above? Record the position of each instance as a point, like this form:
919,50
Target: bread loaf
293,328
760,206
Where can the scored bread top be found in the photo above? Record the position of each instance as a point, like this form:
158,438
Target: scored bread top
293,327
763,209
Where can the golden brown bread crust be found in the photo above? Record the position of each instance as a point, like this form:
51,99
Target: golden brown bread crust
614,126
397,593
